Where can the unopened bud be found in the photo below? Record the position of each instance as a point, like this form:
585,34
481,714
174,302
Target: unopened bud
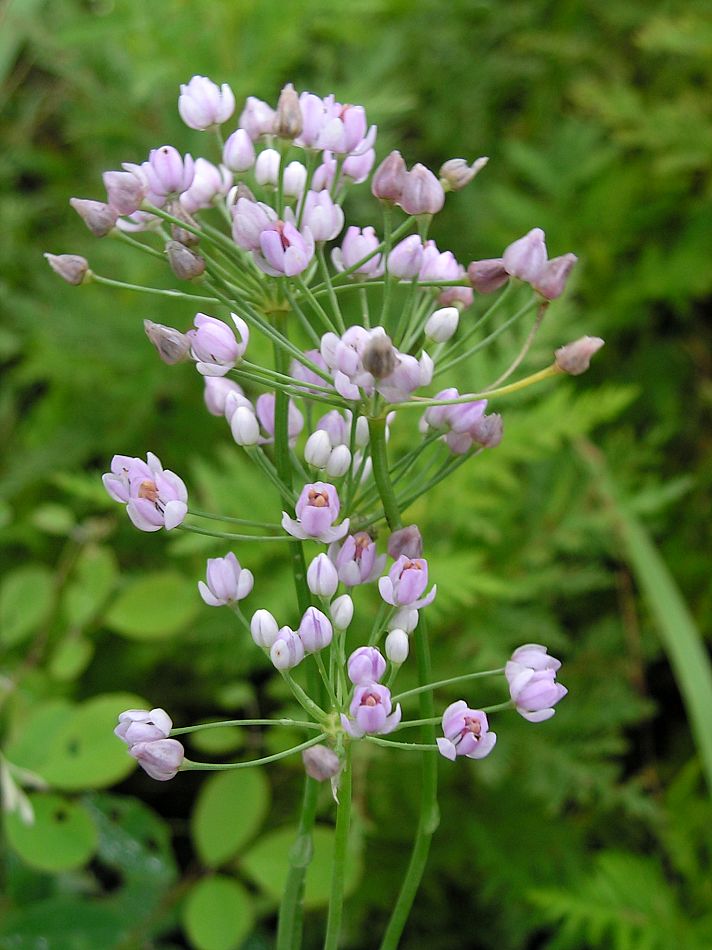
389,178
552,280
244,426
315,630
487,276
397,646
124,190
575,358
407,541
287,651
321,762
322,577
70,267
379,357
239,152
456,173
339,461
183,235
342,611
267,167
172,345
404,619
442,324
422,192
288,121
295,179
99,217
317,450
185,264
362,433
264,629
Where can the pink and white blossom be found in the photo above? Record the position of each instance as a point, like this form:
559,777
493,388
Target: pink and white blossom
316,511
226,582
155,497
371,711
466,732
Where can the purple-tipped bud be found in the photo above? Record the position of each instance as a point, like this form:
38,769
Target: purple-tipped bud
552,280
575,358
239,152
321,763
317,451
389,178
406,258
99,217
264,629
442,324
379,357
172,345
227,582
70,267
288,650
342,612
160,759
244,426
526,258
288,121
339,461
406,541
322,577
124,190
487,276
456,173
365,665
315,630
397,646
203,104
184,263
422,192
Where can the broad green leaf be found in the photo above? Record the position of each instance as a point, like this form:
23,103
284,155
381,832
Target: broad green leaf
153,606
62,836
32,744
70,658
217,914
218,741
85,753
92,581
64,923
53,519
229,811
25,602
267,863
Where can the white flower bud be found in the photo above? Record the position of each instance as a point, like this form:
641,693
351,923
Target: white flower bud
342,611
317,451
442,324
362,433
397,646
287,651
404,619
267,167
245,427
339,461
295,179
322,577
264,629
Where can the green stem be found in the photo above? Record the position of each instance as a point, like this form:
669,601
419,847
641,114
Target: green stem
379,456
303,699
289,927
156,291
407,747
330,287
448,365
232,537
189,766
229,520
295,723
343,822
428,687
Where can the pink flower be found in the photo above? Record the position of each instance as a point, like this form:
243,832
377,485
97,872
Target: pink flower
422,193
323,218
161,759
315,630
531,674
406,258
249,220
366,665
357,244
317,509
466,732
371,712
356,560
285,250
155,498
227,582
526,258
209,182
143,725
264,408
202,103
257,118
405,583
216,393
214,346
167,173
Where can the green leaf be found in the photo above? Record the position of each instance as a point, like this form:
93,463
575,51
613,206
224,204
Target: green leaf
217,914
62,836
218,741
267,864
85,753
53,519
70,658
229,810
25,602
30,747
153,606
63,924
92,581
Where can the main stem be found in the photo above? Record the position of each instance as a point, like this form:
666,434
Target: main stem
291,911
429,817
343,823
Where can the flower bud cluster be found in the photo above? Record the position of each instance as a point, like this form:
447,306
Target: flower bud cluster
465,423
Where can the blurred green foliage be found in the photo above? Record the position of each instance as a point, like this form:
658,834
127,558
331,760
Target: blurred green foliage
593,831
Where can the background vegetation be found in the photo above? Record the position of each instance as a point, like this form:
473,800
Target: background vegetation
587,530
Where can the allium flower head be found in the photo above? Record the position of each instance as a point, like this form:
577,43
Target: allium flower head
406,582
466,732
203,104
371,712
227,582
155,498
317,509
214,346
